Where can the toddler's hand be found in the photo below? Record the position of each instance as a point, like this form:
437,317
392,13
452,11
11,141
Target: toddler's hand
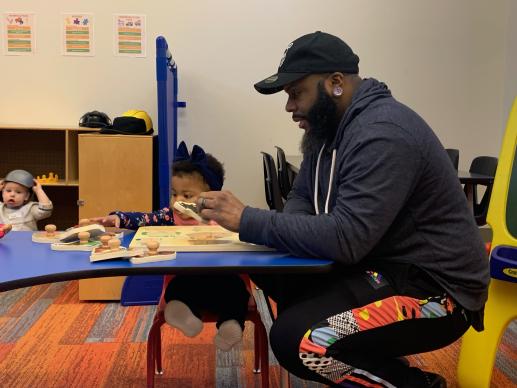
111,220
37,186
2,184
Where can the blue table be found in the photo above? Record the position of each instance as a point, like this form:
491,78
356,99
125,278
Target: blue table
24,263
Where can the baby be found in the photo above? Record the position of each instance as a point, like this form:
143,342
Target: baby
188,295
17,208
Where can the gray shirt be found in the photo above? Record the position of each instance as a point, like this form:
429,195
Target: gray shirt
25,217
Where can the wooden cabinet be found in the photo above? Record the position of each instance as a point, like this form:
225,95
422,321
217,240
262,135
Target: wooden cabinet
41,150
115,173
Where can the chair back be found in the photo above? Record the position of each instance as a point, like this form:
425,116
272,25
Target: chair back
502,211
285,176
485,165
454,155
271,184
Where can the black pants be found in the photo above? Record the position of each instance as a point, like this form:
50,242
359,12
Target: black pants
349,327
223,295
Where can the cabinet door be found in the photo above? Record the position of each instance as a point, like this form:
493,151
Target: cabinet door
115,173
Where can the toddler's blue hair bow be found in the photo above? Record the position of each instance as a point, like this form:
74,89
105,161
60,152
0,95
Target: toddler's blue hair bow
199,160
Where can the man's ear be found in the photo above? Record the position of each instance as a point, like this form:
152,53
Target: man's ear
336,83
337,79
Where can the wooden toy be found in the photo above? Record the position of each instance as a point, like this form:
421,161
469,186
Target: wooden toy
52,178
153,254
72,234
84,243
4,229
196,238
189,209
111,249
49,236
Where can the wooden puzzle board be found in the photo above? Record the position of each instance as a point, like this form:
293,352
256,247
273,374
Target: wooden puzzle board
202,238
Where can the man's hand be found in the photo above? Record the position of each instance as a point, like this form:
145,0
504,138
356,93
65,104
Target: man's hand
111,220
222,207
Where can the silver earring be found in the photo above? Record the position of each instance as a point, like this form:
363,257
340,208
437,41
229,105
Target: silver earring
337,91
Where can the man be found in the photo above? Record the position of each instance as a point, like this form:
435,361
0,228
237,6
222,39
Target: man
378,195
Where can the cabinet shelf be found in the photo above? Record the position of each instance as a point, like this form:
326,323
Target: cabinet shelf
41,150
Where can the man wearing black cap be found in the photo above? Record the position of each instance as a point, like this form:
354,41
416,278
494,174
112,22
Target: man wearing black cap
377,194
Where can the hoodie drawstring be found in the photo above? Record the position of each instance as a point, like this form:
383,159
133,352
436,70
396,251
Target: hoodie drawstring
332,166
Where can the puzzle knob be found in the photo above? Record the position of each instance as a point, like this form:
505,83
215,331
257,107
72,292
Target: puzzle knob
50,229
152,246
83,237
84,222
104,240
114,243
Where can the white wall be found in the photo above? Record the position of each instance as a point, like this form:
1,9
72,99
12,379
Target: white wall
448,60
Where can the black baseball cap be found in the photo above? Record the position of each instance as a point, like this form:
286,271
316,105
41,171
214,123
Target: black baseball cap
314,53
126,125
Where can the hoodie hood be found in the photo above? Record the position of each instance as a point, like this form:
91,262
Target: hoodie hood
367,93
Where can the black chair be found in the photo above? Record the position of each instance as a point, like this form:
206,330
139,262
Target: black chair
285,174
271,185
485,165
454,154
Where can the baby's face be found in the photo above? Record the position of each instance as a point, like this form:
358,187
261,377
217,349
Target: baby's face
186,188
14,194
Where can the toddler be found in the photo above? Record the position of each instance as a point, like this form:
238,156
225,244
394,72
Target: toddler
188,295
17,209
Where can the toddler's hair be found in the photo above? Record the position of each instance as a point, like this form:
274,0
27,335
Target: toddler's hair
186,167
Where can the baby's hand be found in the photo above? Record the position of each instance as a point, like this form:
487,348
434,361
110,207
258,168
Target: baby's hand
37,186
111,220
2,184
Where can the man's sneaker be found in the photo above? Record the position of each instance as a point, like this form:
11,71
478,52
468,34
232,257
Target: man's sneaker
434,380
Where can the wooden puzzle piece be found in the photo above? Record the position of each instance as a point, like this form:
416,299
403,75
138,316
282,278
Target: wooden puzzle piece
72,234
110,249
84,244
49,236
153,254
189,209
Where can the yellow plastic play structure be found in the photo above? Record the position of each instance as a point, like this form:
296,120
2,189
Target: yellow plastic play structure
478,350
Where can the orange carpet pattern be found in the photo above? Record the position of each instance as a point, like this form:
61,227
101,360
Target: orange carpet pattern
48,338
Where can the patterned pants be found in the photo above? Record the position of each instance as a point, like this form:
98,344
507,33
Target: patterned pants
349,329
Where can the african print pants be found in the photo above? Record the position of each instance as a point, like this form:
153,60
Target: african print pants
351,330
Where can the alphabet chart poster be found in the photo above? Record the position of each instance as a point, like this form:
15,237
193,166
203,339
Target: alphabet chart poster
129,34
18,33
77,34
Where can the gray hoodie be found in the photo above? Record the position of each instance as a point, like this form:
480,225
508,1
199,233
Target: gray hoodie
391,195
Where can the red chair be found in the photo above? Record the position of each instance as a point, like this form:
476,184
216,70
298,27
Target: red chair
154,339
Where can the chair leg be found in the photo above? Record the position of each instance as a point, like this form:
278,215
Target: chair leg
284,378
158,351
150,360
264,354
258,350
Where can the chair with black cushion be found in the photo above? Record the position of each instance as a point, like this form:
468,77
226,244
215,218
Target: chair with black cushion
271,185
485,165
454,155
285,175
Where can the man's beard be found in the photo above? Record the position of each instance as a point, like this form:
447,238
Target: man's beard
323,122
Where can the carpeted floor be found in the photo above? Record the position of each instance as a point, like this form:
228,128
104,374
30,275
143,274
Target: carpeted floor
50,339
